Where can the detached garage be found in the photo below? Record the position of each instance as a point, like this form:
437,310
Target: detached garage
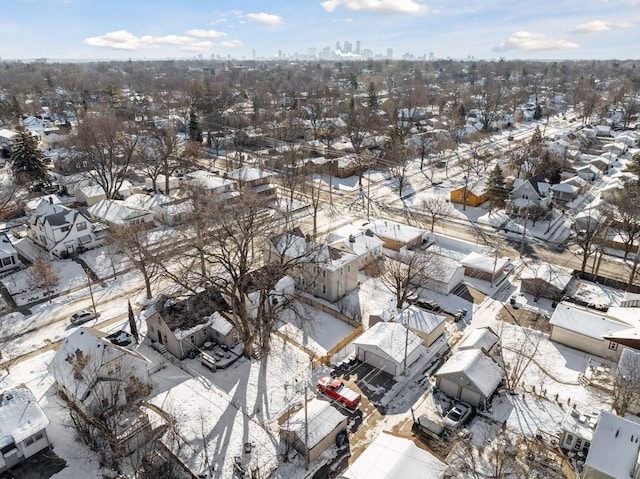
383,346
470,376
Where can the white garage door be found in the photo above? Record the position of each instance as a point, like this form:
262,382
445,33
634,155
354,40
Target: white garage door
377,361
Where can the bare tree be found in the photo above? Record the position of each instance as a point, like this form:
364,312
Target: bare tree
435,209
135,242
520,357
42,276
108,146
624,216
160,153
406,273
626,383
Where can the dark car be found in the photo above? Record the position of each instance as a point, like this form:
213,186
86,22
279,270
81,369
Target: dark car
428,304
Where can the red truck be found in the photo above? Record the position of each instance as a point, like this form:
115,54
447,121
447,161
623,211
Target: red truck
335,389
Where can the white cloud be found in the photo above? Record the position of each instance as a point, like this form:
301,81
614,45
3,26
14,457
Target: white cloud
205,33
171,39
265,18
377,6
230,44
198,47
120,40
591,27
528,41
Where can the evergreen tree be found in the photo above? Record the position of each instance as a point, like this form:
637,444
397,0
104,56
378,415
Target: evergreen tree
497,187
537,114
462,112
27,160
372,95
195,132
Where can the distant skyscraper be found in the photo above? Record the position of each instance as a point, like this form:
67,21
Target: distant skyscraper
431,56
367,53
389,52
338,46
280,54
311,52
347,47
358,47
253,54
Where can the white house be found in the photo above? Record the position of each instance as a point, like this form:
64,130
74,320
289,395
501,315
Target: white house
470,376
90,369
589,173
528,194
614,450
586,330
484,267
323,423
23,427
386,345
8,254
90,194
60,230
393,457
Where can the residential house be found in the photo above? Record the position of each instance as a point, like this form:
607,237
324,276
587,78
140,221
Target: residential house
445,275
326,272
60,230
390,457
470,194
589,173
395,235
8,254
314,428
614,450
7,141
254,179
469,375
90,369
120,213
90,195
183,327
214,185
577,428
529,195
104,380
23,427
364,244
388,346
477,265
544,280
268,281
564,192
429,326
587,330
161,184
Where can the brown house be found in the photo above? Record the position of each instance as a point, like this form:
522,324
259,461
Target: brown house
185,326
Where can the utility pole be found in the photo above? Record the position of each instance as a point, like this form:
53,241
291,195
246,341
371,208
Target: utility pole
406,339
524,230
306,432
93,302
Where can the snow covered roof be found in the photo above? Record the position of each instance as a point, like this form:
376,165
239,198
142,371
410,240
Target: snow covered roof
420,320
116,211
82,357
220,324
615,445
6,248
480,338
20,415
484,263
248,173
322,419
476,367
565,188
580,422
359,242
91,191
579,320
396,231
146,202
392,457
552,274
390,339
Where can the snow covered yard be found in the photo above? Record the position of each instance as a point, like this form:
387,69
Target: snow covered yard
69,275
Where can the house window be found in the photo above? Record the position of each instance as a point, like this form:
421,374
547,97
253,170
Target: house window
324,273
613,346
341,271
193,339
28,441
349,269
568,440
64,229
324,289
82,226
39,435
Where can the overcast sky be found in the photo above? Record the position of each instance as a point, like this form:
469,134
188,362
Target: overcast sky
484,29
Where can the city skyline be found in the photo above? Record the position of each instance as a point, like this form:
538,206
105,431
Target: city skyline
83,30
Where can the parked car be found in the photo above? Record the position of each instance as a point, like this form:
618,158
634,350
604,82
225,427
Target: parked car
335,389
82,316
428,304
458,415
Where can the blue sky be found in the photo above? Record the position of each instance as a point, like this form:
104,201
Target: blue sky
146,29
